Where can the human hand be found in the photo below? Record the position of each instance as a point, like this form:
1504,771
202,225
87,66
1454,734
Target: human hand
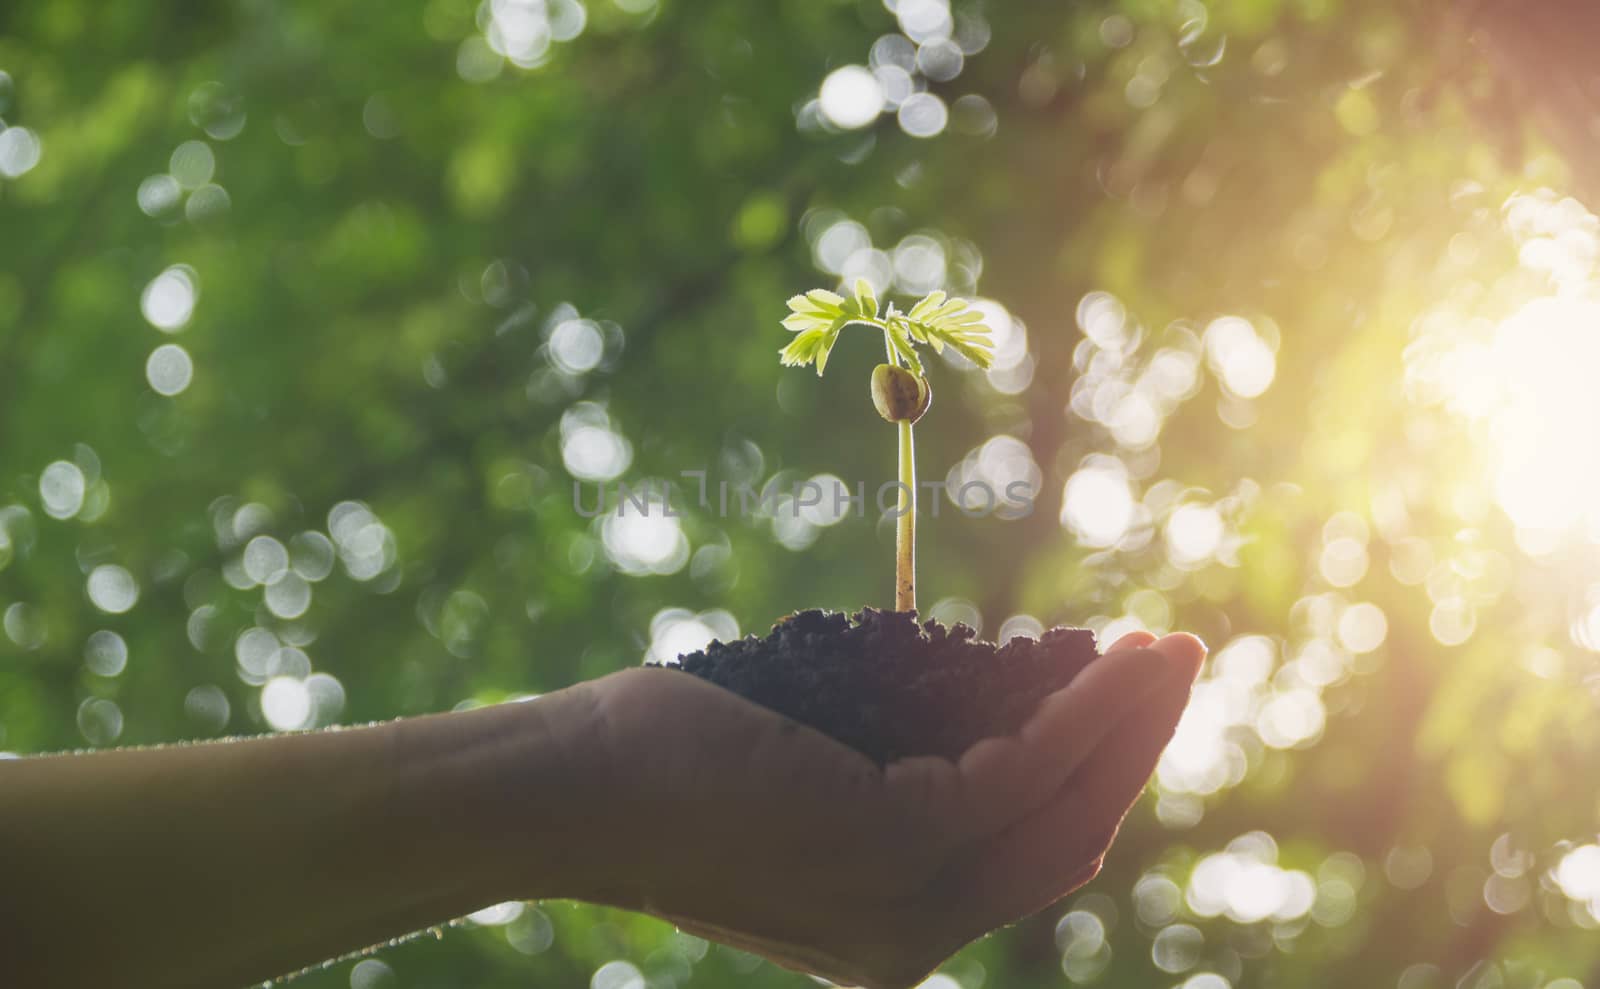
744,827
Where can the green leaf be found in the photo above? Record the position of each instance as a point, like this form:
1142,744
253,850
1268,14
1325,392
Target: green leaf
818,302
817,316
827,300
799,321
866,302
902,346
904,326
981,354
926,304
829,338
802,350
941,321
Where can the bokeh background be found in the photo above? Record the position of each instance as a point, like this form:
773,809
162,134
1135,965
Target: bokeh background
312,316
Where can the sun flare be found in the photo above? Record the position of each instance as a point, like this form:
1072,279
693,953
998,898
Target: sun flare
1528,385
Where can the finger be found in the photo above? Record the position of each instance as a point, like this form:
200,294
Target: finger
1037,860
1112,779
1132,640
1000,779
1003,779
923,789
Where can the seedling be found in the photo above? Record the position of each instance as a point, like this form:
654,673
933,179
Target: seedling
900,389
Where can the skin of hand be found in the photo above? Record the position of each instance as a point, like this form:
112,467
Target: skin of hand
233,862
762,834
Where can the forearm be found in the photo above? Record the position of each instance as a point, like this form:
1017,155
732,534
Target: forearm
267,855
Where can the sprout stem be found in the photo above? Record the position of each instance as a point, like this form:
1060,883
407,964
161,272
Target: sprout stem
905,534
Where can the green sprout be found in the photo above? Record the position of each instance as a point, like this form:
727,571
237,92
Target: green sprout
900,389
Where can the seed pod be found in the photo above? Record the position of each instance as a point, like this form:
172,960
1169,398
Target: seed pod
899,395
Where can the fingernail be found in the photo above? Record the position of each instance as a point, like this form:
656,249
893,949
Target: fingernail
1184,652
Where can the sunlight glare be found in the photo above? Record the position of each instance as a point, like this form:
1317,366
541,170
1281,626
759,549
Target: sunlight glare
1525,384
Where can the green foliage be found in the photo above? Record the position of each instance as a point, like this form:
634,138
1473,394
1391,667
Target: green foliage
936,320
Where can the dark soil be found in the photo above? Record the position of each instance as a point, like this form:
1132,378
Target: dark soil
889,687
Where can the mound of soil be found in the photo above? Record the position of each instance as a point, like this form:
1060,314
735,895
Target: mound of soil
888,687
